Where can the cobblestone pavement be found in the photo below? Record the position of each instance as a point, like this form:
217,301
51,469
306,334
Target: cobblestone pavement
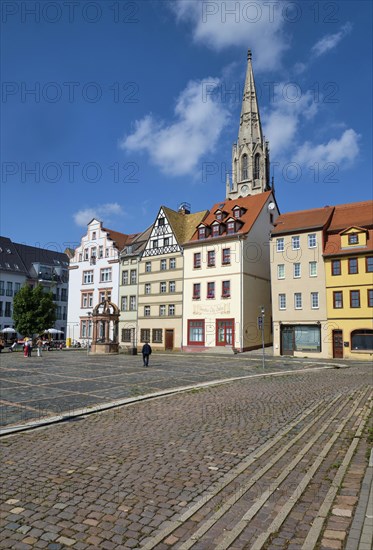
60,383
272,463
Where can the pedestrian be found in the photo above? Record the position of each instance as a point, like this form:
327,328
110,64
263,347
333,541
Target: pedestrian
2,345
146,351
39,346
25,348
29,347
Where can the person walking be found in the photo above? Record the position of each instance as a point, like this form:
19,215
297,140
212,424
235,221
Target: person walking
146,352
29,347
39,347
25,348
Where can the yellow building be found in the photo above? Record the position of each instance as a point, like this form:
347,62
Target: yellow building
348,257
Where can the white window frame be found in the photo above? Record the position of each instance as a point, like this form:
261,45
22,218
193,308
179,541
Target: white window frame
280,244
279,275
105,275
162,310
163,265
146,311
295,242
312,264
172,286
315,300
282,302
163,287
297,266
171,310
312,240
298,302
147,289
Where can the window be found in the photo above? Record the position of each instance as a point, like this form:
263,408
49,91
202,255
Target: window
196,333
172,263
298,300
336,267
161,221
219,215
226,256
236,212
105,275
280,245
295,243
196,291
87,277
80,257
312,240
354,298
100,251
124,303
211,258
257,166
197,260
145,335
215,230
2,289
124,277
307,338
86,253
162,310
126,335
1,309
314,300
163,265
87,299
93,252
133,276
132,303
369,264
171,310
296,270
171,286
107,252
338,299
201,232
362,340
157,334
244,171
148,267
353,238
63,294
17,288
230,227
147,288
352,266
370,297
9,289
281,271
146,311
313,269
226,289
282,301
93,235
8,312
210,290
163,287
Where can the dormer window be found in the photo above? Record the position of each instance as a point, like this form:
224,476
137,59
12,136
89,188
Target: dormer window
353,238
219,216
216,230
202,232
231,227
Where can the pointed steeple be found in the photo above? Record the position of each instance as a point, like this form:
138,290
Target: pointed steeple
250,155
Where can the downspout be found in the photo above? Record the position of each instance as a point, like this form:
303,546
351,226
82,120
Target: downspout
241,288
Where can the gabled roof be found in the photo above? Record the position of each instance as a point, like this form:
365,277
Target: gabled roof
303,220
356,228
119,239
352,214
184,225
333,246
33,254
253,205
138,243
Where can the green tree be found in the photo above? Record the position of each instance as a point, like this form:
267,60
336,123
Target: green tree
33,310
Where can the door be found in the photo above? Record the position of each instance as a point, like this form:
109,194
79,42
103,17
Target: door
338,344
225,332
169,339
287,340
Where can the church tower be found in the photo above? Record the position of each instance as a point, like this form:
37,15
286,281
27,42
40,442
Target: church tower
250,155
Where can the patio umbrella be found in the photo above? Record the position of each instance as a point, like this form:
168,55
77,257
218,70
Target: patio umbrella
8,330
54,331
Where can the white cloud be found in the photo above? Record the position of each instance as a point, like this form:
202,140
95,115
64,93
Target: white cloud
177,147
330,41
101,212
342,151
289,106
223,23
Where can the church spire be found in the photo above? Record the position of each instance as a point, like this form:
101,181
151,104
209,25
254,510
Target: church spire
250,155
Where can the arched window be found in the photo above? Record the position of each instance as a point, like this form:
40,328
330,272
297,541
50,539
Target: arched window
256,166
362,340
245,173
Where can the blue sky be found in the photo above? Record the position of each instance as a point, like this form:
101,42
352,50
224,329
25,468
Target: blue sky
136,104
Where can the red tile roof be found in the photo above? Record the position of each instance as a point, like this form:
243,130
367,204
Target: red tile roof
253,206
302,220
333,246
120,239
352,214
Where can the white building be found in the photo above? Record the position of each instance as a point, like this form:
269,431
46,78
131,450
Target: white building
93,274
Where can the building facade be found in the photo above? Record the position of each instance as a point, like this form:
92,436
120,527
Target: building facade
94,275
300,325
21,264
227,276
348,257
160,294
